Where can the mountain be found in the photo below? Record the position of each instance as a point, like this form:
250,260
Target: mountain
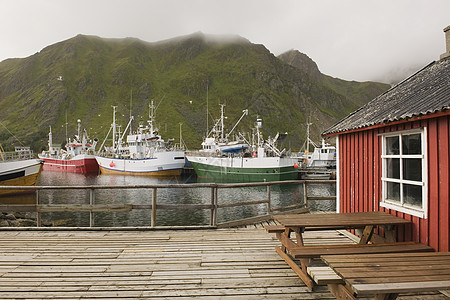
83,77
358,93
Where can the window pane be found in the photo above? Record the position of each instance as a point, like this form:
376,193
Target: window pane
393,191
393,168
392,145
412,194
411,144
412,169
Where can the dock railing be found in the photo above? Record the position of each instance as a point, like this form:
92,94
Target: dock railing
214,204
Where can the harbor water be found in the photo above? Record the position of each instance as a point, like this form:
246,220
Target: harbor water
281,195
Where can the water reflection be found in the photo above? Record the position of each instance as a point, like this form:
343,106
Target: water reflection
281,195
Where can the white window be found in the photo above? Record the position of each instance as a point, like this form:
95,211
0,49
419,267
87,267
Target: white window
404,172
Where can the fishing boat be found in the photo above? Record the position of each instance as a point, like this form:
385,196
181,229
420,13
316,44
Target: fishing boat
144,152
322,156
260,162
218,142
319,164
18,171
77,158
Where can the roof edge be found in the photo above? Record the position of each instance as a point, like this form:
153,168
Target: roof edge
431,115
330,131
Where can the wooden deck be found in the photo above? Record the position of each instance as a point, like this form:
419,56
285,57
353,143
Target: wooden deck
209,264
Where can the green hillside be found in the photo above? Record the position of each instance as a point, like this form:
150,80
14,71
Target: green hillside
83,77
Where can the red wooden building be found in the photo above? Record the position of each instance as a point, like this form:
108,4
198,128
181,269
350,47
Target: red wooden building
393,154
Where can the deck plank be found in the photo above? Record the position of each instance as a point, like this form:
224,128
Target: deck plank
209,264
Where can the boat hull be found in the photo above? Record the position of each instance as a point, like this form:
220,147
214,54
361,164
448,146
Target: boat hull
79,164
241,169
168,163
20,173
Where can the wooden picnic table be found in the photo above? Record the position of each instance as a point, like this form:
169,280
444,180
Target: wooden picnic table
367,220
386,275
297,223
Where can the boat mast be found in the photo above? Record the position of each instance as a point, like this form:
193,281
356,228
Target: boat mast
113,125
258,126
131,102
207,100
150,116
307,137
50,141
79,128
80,138
181,138
259,147
67,138
244,113
221,121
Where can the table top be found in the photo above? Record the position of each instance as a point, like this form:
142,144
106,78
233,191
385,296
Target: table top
394,272
351,220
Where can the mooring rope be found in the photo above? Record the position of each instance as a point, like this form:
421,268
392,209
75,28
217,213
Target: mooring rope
12,134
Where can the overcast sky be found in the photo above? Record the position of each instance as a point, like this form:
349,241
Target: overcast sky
350,39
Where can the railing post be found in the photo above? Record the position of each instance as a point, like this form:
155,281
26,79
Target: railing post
153,218
305,193
216,201
38,213
269,208
213,216
91,202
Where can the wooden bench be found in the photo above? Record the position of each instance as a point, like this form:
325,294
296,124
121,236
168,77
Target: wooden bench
281,228
388,274
317,251
274,228
324,275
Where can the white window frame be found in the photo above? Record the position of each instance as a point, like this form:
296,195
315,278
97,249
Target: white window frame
417,211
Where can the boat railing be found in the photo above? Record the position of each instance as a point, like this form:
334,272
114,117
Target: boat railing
214,204
17,155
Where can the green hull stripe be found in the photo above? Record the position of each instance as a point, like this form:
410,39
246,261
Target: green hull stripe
245,174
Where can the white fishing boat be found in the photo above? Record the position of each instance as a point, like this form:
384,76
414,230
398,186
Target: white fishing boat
18,170
144,152
323,156
218,142
261,162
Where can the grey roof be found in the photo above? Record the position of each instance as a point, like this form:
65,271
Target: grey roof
425,92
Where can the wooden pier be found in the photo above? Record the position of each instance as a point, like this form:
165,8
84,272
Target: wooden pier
153,264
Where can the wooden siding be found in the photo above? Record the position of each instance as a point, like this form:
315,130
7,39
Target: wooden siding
360,178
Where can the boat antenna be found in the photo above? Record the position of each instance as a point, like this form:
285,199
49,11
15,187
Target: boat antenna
207,100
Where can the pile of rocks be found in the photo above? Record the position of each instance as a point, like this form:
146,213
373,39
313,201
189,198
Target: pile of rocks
27,219
17,219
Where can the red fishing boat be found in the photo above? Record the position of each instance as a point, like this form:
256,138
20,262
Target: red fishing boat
77,158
